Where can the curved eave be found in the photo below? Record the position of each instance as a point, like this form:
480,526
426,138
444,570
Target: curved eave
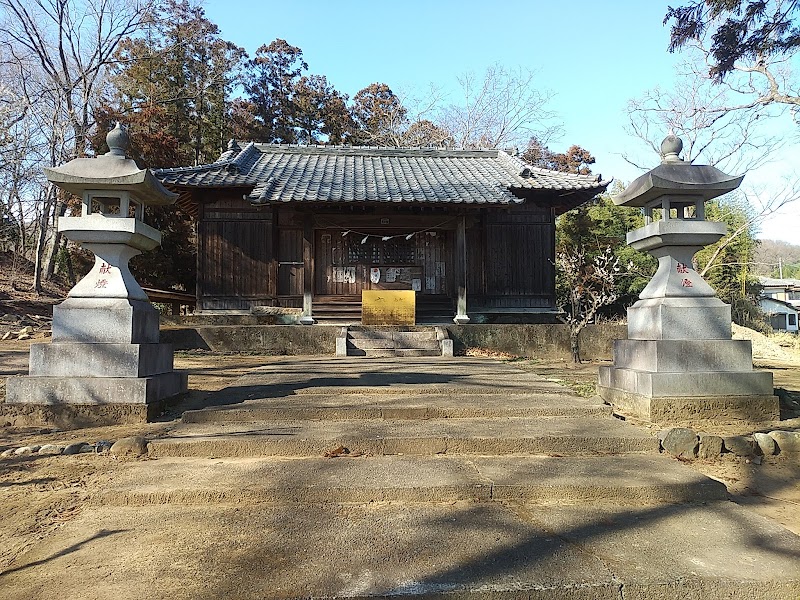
682,179
142,184
562,200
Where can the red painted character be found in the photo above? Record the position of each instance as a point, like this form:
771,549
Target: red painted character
105,268
682,268
101,283
686,283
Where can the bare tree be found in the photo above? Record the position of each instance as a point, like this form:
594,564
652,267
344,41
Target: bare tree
697,110
72,42
586,286
718,126
61,50
503,109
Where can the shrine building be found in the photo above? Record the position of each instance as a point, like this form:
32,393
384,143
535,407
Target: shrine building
311,227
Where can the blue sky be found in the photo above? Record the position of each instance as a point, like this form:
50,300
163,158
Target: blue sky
593,55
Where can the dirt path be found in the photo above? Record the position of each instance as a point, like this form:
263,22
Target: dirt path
39,494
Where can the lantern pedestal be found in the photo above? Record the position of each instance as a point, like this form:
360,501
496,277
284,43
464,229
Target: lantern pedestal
105,363
679,363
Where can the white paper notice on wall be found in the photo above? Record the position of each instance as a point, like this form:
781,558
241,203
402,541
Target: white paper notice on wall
439,269
391,274
416,285
430,283
344,274
374,274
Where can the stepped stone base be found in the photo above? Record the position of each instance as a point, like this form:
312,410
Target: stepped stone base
78,416
104,365
95,391
671,410
683,380
64,359
105,321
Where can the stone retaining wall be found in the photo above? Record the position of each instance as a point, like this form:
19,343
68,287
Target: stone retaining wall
550,341
292,340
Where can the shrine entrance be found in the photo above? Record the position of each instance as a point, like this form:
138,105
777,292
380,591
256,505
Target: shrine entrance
347,262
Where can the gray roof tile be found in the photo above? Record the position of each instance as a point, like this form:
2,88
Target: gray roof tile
283,173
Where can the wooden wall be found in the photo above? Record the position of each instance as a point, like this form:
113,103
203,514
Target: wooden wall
250,255
519,255
235,268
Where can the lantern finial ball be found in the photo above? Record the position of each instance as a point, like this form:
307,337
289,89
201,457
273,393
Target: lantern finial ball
671,148
118,141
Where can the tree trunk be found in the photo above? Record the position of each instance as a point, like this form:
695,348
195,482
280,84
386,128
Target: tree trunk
574,332
41,239
51,259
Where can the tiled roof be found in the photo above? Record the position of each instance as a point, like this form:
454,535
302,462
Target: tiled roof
780,283
284,173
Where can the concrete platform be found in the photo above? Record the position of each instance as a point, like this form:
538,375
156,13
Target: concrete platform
89,391
574,505
532,435
623,479
383,550
334,407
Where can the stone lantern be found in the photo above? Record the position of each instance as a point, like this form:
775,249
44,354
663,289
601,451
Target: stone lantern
679,362
105,362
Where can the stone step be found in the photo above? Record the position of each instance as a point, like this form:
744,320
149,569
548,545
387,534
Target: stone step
460,390
391,352
625,479
429,334
573,436
365,344
370,343
403,406
434,351
457,549
421,334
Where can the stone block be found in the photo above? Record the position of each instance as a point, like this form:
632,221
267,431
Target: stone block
105,321
50,450
680,442
129,446
697,384
94,390
679,319
74,448
677,410
765,443
683,356
447,347
710,446
787,441
70,359
739,445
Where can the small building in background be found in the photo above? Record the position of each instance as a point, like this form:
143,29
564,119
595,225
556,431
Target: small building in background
780,300
782,315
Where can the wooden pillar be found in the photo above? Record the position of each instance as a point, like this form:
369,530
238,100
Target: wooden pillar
308,269
200,265
460,260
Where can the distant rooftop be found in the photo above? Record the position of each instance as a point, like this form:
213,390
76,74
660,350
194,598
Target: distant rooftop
774,282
